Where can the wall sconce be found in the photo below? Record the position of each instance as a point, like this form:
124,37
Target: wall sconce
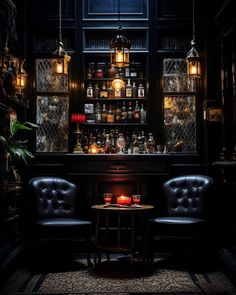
119,46
60,59
117,83
21,77
192,59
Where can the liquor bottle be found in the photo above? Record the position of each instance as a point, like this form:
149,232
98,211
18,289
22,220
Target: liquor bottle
143,114
113,146
99,73
96,91
98,113
98,142
124,113
135,144
85,144
150,144
91,70
140,143
89,91
141,92
127,72
128,89
104,114
134,90
136,113
110,116
118,113
117,93
110,91
103,91
130,113
107,145
122,91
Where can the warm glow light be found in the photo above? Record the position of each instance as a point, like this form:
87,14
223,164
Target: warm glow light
193,67
59,67
93,149
21,80
193,70
119,56
60,64
123,200
117,83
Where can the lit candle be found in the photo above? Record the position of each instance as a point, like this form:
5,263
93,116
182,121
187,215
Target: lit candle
123,200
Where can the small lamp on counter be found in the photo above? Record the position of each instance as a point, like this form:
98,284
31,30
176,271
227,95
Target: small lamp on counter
78,118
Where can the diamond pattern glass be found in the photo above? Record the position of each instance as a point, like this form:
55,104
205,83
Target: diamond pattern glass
52,109
175,78
46,82
179,107
52,119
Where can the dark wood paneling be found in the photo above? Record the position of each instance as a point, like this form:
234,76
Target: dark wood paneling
108,9
172,10
45,9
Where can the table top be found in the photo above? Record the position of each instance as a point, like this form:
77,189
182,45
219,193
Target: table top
124,208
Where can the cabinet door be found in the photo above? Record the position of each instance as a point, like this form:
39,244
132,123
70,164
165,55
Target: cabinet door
179,103
52,109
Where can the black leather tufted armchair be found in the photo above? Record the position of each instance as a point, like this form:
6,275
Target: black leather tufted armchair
187,202
56,217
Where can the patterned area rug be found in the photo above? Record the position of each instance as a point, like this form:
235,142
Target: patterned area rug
118,278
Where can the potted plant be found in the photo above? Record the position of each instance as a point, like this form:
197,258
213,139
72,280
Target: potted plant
15,148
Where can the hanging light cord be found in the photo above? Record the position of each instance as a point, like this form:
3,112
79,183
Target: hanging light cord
60,38
119,14
193,12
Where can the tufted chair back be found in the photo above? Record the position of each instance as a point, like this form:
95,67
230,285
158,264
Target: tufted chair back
55,197
186,195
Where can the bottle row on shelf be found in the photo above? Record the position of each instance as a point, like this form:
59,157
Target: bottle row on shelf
106,90
114,141
115,113
106,70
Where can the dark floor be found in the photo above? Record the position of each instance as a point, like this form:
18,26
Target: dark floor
52,258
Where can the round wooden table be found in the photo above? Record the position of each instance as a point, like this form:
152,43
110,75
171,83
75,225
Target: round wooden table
122,229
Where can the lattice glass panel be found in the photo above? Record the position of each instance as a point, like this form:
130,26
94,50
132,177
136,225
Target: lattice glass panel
46,82
53,121
180,123
175,78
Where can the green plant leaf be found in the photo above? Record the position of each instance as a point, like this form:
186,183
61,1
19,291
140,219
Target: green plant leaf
17,147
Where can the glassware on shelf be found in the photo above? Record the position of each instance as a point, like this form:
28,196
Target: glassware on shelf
120,143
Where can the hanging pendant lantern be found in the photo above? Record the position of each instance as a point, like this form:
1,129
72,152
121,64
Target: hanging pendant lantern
60,59
120,47
192,59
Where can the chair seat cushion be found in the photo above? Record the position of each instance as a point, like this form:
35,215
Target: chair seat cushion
61,222
176,220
